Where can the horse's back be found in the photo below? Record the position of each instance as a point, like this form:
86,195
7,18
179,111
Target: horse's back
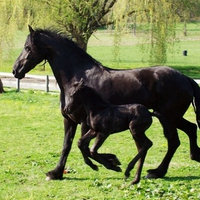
160,88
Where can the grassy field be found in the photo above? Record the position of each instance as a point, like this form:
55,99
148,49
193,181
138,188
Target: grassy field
32,135
101,47
30,145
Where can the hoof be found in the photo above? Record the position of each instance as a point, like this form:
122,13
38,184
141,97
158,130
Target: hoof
111,158
195,154
54,175
135,181
155,173
127,175
48,178
95,167
117,169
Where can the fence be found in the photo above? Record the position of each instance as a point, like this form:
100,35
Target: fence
36,82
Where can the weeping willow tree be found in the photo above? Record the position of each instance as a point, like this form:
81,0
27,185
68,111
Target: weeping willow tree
159,18
10,18
81,19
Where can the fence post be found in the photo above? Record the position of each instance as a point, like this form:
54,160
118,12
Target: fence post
17,85
47,83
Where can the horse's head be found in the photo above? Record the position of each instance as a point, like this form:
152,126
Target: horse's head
32,54
75,100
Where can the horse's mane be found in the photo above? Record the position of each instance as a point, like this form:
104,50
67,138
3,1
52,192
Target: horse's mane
67,40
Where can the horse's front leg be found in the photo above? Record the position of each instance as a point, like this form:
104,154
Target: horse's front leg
70,129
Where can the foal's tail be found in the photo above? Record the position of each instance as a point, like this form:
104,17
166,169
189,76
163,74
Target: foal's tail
163,122
196,99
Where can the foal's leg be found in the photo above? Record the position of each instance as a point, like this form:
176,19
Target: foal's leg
109,157
143,144
83,144
110,161
84,129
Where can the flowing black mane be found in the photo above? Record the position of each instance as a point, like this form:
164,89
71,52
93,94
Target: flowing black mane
66,40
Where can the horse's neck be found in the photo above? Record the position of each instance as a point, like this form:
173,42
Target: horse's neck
65,73
93,102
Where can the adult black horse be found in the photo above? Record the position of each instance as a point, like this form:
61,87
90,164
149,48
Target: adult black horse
160,88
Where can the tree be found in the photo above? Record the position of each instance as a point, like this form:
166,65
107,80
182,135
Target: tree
11,16
81,18
160,18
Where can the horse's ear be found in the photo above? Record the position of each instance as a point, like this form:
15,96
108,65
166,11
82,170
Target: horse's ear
32,32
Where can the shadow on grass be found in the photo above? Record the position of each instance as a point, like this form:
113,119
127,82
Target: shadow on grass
88,178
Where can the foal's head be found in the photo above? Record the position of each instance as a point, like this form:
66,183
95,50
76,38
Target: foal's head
75,100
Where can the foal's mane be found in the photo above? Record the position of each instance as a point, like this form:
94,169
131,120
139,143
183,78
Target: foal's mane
68,42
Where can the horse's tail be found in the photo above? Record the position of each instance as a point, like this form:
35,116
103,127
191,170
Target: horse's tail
163,123
196,99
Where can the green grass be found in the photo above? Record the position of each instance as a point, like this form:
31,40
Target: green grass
32,135
30,145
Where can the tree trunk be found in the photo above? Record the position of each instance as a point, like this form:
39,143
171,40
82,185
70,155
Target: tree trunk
81,40
1,87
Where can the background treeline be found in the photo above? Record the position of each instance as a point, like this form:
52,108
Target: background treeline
80,19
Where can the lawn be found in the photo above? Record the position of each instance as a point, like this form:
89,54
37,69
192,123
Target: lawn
32,135
30,145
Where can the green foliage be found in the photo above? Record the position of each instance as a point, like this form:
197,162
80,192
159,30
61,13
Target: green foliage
30,144
82,18
159,18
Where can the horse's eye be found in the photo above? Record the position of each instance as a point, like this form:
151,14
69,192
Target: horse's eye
27,48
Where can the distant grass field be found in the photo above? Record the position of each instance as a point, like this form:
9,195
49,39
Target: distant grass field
31,141
101,47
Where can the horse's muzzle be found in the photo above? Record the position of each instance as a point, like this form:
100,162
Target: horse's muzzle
18,75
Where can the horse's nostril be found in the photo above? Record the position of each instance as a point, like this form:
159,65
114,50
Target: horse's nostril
13,72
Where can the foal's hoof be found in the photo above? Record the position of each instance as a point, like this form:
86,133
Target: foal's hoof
111,158
135,181
127,175
117,169
95,167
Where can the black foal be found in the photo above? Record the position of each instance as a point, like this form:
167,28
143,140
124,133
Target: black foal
104,119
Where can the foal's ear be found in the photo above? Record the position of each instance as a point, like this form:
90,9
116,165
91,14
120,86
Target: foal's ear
78,84
32,32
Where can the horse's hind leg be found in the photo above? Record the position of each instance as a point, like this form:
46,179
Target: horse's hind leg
143,144
83,144
191,130
173,144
